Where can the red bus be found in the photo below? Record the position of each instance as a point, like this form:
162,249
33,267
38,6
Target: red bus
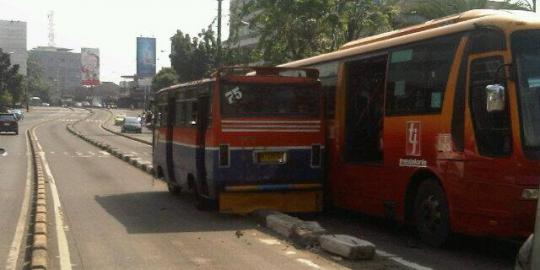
438,125
244,142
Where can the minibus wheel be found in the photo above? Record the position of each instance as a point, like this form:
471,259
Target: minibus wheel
431,213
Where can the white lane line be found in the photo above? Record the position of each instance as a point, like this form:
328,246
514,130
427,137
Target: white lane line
14,249
308,263
402,261
63,247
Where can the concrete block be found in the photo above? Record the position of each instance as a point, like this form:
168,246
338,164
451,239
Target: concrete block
41,209
41,202
307,233
40,228
347,246
282,224
41,191
40,242
39,259
262,214
41,217
41,196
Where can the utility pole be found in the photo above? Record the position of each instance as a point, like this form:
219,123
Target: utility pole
218,57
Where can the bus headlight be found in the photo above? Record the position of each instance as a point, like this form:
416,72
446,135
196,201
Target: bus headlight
530,194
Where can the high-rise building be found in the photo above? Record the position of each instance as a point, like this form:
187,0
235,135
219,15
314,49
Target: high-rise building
60,68
13,42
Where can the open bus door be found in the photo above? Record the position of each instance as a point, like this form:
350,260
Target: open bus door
201,121
169,138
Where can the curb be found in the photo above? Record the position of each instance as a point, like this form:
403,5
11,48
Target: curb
308,234
128,158
120,133
39,255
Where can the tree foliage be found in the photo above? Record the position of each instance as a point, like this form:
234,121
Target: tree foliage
11,86
294,29
164,78
34,82
193,57
433,9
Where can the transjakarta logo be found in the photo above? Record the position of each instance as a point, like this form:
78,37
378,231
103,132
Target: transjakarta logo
413,144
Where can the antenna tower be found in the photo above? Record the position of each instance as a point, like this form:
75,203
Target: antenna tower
50,17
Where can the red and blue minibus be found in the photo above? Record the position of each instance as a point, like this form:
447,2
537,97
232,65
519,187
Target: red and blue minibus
245,139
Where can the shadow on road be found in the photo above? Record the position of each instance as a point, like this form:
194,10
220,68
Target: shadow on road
475,252
160,212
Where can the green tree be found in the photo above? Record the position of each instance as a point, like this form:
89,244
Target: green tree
295,29
193,57
34,83
164,78
10,80
433,9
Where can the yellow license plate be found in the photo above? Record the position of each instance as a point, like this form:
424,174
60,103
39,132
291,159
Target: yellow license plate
271,157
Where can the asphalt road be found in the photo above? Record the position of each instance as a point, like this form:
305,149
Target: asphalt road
116,217
13,179
462,252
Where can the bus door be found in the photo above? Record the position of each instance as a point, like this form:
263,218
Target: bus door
363,129
169,147
201,111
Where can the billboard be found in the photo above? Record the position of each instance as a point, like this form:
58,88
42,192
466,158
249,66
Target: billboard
146,57
89,66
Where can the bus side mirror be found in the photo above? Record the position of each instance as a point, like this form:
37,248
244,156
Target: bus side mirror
495,98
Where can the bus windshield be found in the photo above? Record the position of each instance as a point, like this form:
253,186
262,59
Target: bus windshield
526,47
264,100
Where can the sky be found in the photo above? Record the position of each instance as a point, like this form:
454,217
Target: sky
113,26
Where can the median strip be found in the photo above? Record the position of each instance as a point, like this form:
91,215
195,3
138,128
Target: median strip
128,158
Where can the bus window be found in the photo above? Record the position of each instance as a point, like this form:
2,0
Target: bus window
252,100
364,112
492,129
417,76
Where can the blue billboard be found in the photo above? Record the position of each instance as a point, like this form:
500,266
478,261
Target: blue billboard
146,57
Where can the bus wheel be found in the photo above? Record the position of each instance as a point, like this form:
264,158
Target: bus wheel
431,214
173,189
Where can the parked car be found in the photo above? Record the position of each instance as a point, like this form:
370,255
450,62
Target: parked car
8,123
119,120
44,104
78,104
18,113
132,124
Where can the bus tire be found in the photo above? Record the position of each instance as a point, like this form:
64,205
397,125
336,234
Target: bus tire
174,189
431,214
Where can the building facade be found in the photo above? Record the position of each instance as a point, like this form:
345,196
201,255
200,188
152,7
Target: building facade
240,36
60,68
13,42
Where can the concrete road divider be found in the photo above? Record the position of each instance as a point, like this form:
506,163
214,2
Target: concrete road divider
307,233
348,246
282,224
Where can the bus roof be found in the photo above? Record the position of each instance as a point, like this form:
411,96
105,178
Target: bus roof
251,73
452,24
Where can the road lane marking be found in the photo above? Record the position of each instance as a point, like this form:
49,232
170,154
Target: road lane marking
14,249
63,247
402,261
308,263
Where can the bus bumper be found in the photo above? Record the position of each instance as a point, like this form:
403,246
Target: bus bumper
297,201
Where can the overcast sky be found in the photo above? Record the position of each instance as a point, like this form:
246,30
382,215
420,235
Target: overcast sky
113,25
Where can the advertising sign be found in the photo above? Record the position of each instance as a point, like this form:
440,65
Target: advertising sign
146,57
89,66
